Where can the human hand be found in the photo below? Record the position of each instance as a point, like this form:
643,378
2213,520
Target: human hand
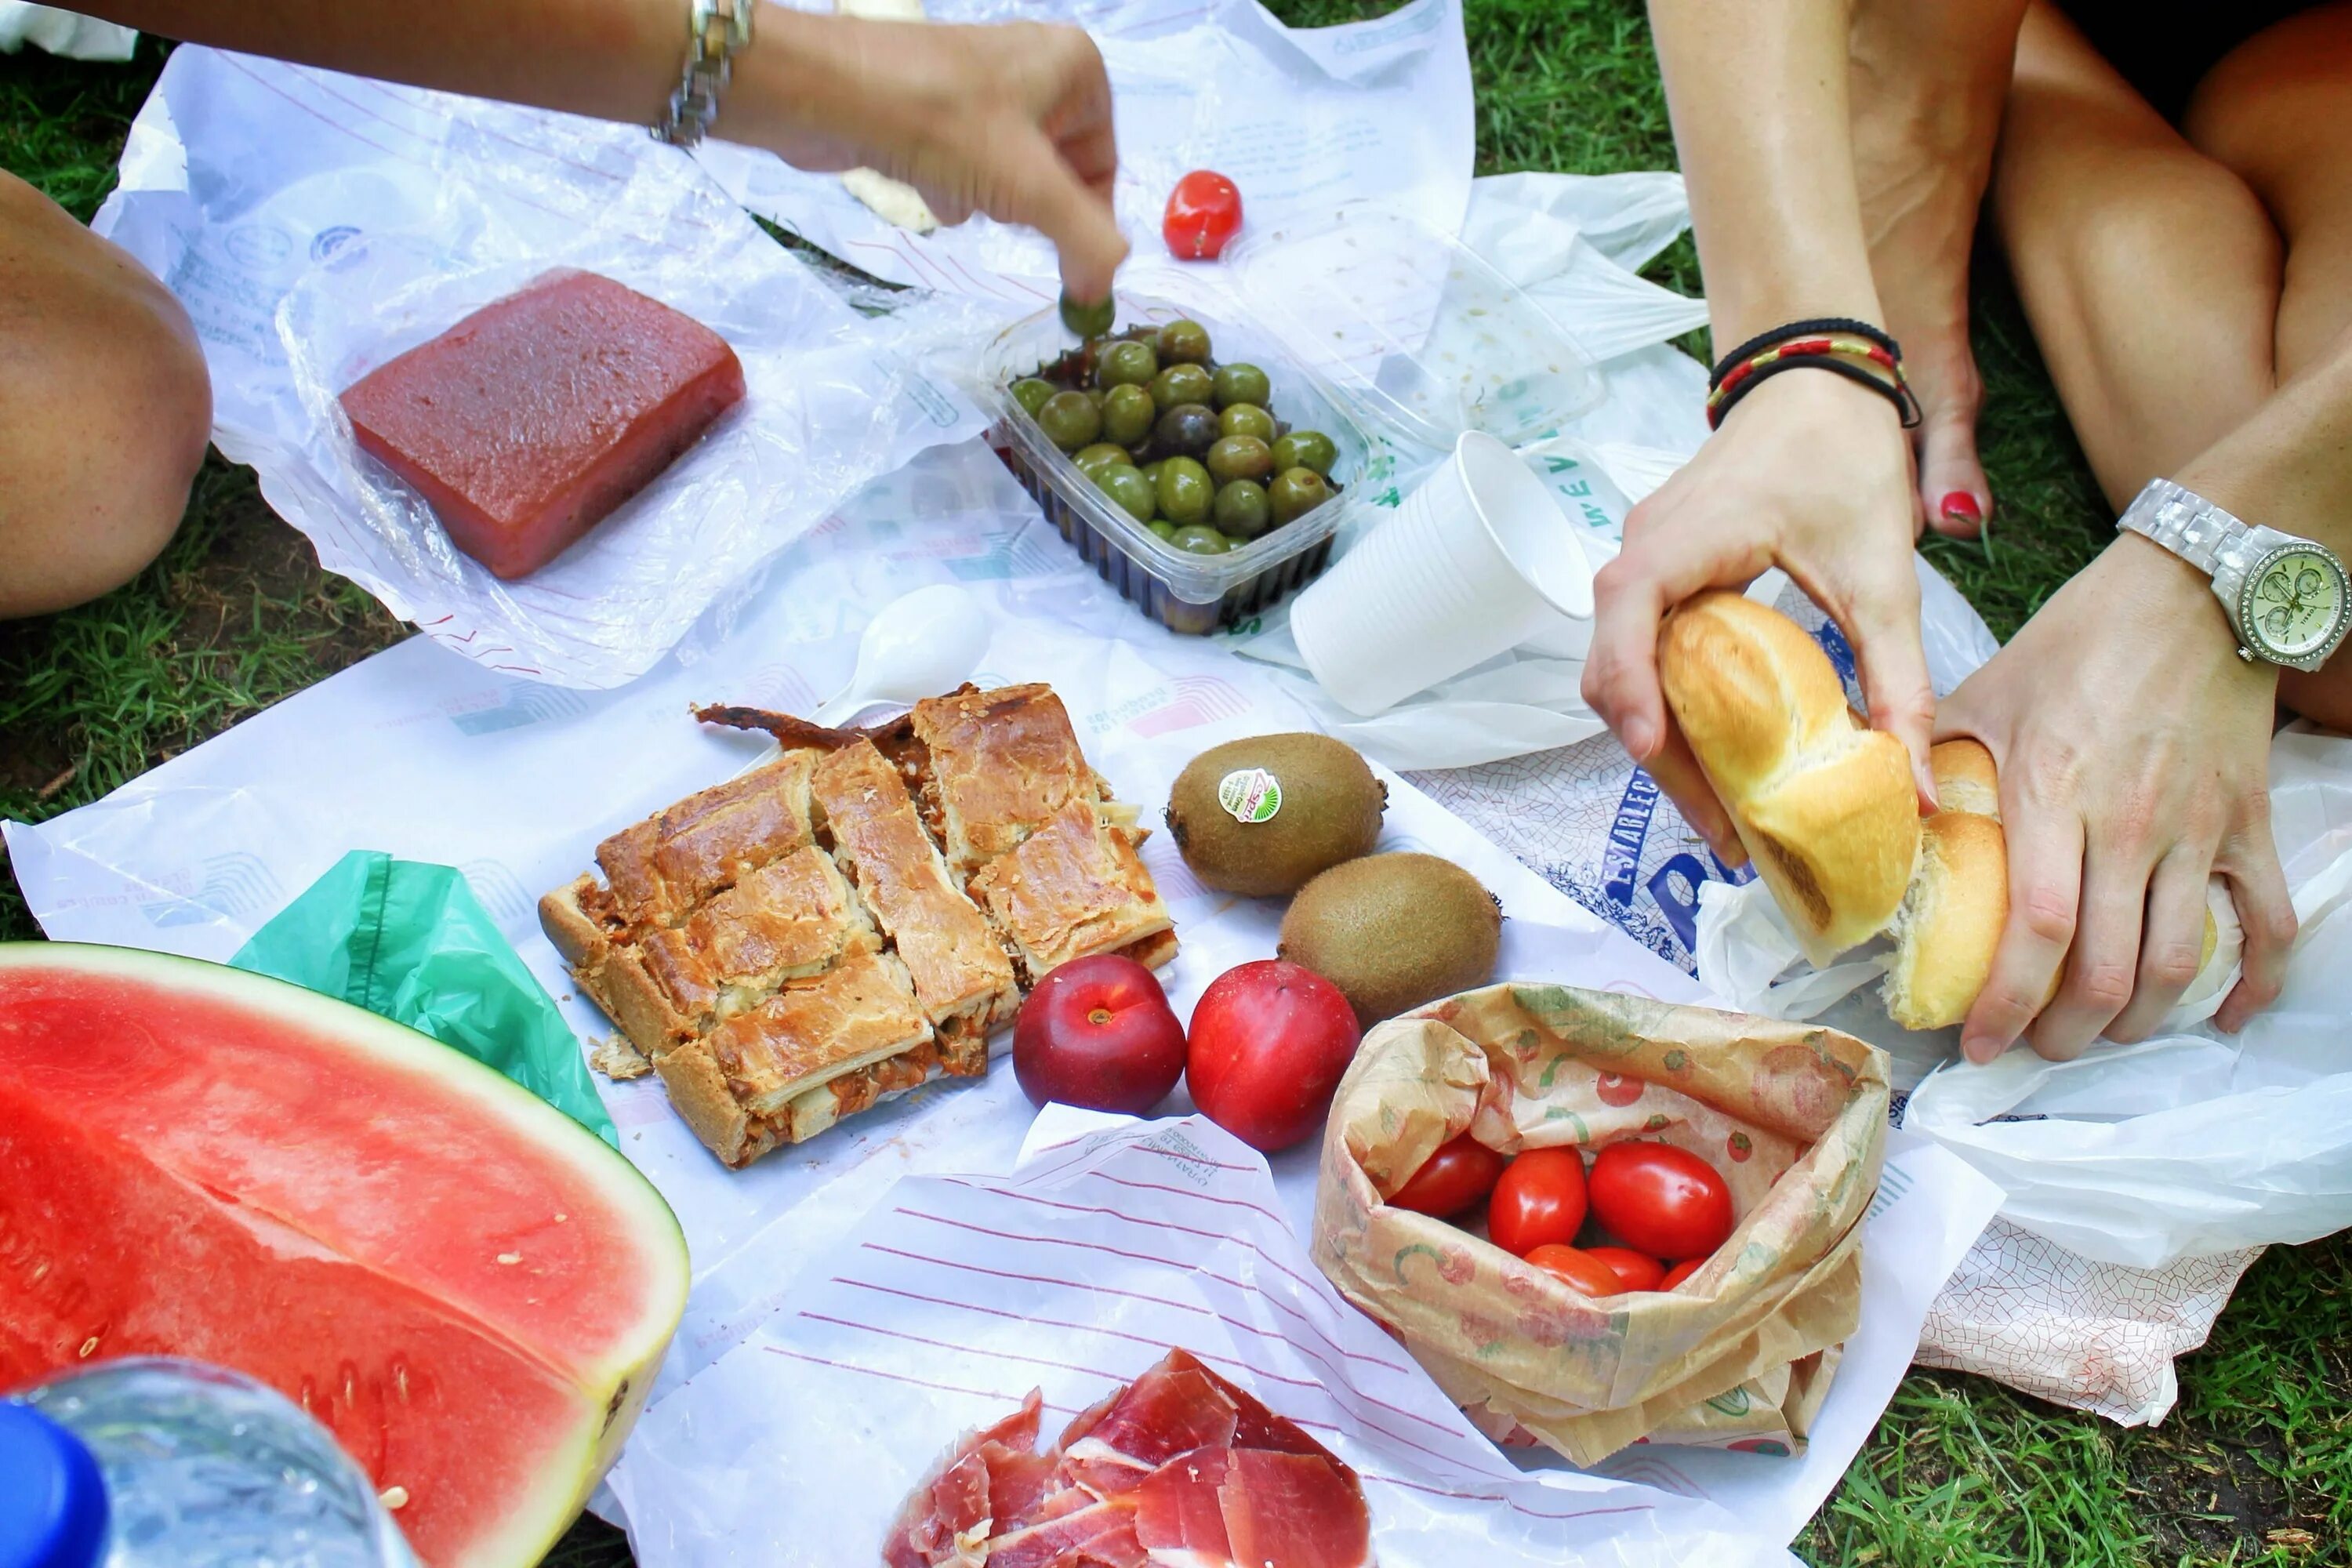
1811,474
1013,120
2133,745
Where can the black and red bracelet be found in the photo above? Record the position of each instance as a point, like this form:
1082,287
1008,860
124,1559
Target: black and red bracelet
1855,350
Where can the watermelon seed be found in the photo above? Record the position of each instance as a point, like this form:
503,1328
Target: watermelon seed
400,1381
88,1346
393,1497
510,1257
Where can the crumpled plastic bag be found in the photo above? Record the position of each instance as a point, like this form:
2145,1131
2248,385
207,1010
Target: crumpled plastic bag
409,942
66,33
1743,1353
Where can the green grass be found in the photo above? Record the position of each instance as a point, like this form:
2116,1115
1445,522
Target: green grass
2256,1463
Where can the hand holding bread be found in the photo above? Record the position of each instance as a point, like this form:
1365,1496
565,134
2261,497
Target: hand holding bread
1826,809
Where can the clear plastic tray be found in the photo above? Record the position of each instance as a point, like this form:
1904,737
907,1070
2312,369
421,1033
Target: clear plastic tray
1452,346
1185,593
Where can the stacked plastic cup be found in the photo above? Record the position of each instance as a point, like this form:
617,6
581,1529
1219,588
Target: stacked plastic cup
1473,562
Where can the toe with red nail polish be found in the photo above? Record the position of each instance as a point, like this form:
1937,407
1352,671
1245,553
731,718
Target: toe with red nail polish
1961,506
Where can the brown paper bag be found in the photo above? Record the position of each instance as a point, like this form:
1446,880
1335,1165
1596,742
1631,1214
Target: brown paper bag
1794,1116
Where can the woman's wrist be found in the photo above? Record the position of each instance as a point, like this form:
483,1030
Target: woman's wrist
802,90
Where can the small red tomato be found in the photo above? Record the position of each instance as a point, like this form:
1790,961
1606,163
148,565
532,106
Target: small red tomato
1539,1200
1680,1272
1636,1270
1270,1042
1578,1271
1661,1200
1461,1172
1204,212
1098,1032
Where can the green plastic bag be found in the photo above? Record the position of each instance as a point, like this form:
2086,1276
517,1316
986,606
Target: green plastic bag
409,940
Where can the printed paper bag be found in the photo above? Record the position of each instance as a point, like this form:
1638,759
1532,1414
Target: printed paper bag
1794,1116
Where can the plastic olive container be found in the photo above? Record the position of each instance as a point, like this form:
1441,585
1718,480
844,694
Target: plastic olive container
1386,335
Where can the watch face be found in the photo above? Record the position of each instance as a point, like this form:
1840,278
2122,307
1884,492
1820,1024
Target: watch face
2294,602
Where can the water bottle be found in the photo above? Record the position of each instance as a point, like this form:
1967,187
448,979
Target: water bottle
149,1463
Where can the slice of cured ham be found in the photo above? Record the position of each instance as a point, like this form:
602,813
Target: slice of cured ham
1179,1469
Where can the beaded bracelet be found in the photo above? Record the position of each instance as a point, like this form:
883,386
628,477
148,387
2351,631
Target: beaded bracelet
1855,350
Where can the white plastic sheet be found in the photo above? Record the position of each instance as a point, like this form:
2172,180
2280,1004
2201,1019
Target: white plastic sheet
432,757
67,34
317,224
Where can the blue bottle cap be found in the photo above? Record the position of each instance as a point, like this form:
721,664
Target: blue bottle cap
53,1512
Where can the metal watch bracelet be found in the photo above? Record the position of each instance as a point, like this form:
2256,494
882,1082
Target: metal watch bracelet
716,31
2182,521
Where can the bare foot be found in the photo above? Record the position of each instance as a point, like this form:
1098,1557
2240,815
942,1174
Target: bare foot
1929,79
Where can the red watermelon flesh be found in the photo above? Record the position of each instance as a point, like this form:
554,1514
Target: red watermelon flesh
470,1289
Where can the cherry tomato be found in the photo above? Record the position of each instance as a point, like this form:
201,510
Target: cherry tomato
1454,1179
1539,1199
1636,1270
1680,1272
1578,1271
1661,1200
1204,212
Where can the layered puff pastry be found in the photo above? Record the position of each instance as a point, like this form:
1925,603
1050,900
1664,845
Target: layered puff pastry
855,917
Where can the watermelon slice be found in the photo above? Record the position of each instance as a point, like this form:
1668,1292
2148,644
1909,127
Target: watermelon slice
470,1289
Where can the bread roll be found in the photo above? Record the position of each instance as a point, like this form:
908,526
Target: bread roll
1825,805
1950,922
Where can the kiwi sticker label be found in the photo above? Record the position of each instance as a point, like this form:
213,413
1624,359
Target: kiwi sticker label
1252,794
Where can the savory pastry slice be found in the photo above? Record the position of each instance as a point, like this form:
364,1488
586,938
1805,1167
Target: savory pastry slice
658,870
960,971
998,766
735,1086
1075,887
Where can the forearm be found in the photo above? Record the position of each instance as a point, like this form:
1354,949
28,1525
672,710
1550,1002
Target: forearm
1758,92
2289,464
610,59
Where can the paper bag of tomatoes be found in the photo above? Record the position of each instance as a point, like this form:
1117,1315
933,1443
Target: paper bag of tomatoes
1598,1220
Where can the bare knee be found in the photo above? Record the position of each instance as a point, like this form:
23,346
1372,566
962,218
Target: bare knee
105,410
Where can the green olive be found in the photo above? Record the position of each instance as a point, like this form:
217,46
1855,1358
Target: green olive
1151,471
1088,322
1126,365
1162,527
1103,454
1245,420
1095,395
1306,450
1240,457
1184,343
1298,492
1127,414
1242,384
1129,489
1186,491
1243,512
1070,421
1030,394
1199,539
1182,383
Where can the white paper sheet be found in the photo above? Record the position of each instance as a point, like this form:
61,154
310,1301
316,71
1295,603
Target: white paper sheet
429,756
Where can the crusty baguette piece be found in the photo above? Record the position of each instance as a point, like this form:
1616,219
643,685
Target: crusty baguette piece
1825,806
1949,927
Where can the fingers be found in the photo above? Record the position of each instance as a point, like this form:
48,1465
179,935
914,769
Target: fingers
2045,884
2173,944
1658,569
2250,862
1037,188
1676,771
2102,967
1884,626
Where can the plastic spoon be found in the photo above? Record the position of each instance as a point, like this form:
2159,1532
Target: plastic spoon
917,645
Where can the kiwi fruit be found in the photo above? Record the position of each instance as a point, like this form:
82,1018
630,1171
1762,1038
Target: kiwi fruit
1392,932
1329,810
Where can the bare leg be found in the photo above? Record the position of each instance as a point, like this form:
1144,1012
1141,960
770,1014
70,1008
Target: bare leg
1928,82
2175,283
104,409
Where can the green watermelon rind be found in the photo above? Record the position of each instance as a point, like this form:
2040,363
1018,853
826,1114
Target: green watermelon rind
441,1071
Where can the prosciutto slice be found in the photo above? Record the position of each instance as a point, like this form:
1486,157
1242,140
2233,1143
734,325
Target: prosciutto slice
1178,1470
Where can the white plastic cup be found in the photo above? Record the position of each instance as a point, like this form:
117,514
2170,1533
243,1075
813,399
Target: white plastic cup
1473,562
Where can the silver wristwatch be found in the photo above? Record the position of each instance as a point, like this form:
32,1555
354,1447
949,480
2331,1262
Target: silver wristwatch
2288,599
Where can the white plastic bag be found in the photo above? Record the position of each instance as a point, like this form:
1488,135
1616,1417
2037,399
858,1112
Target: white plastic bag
317,224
